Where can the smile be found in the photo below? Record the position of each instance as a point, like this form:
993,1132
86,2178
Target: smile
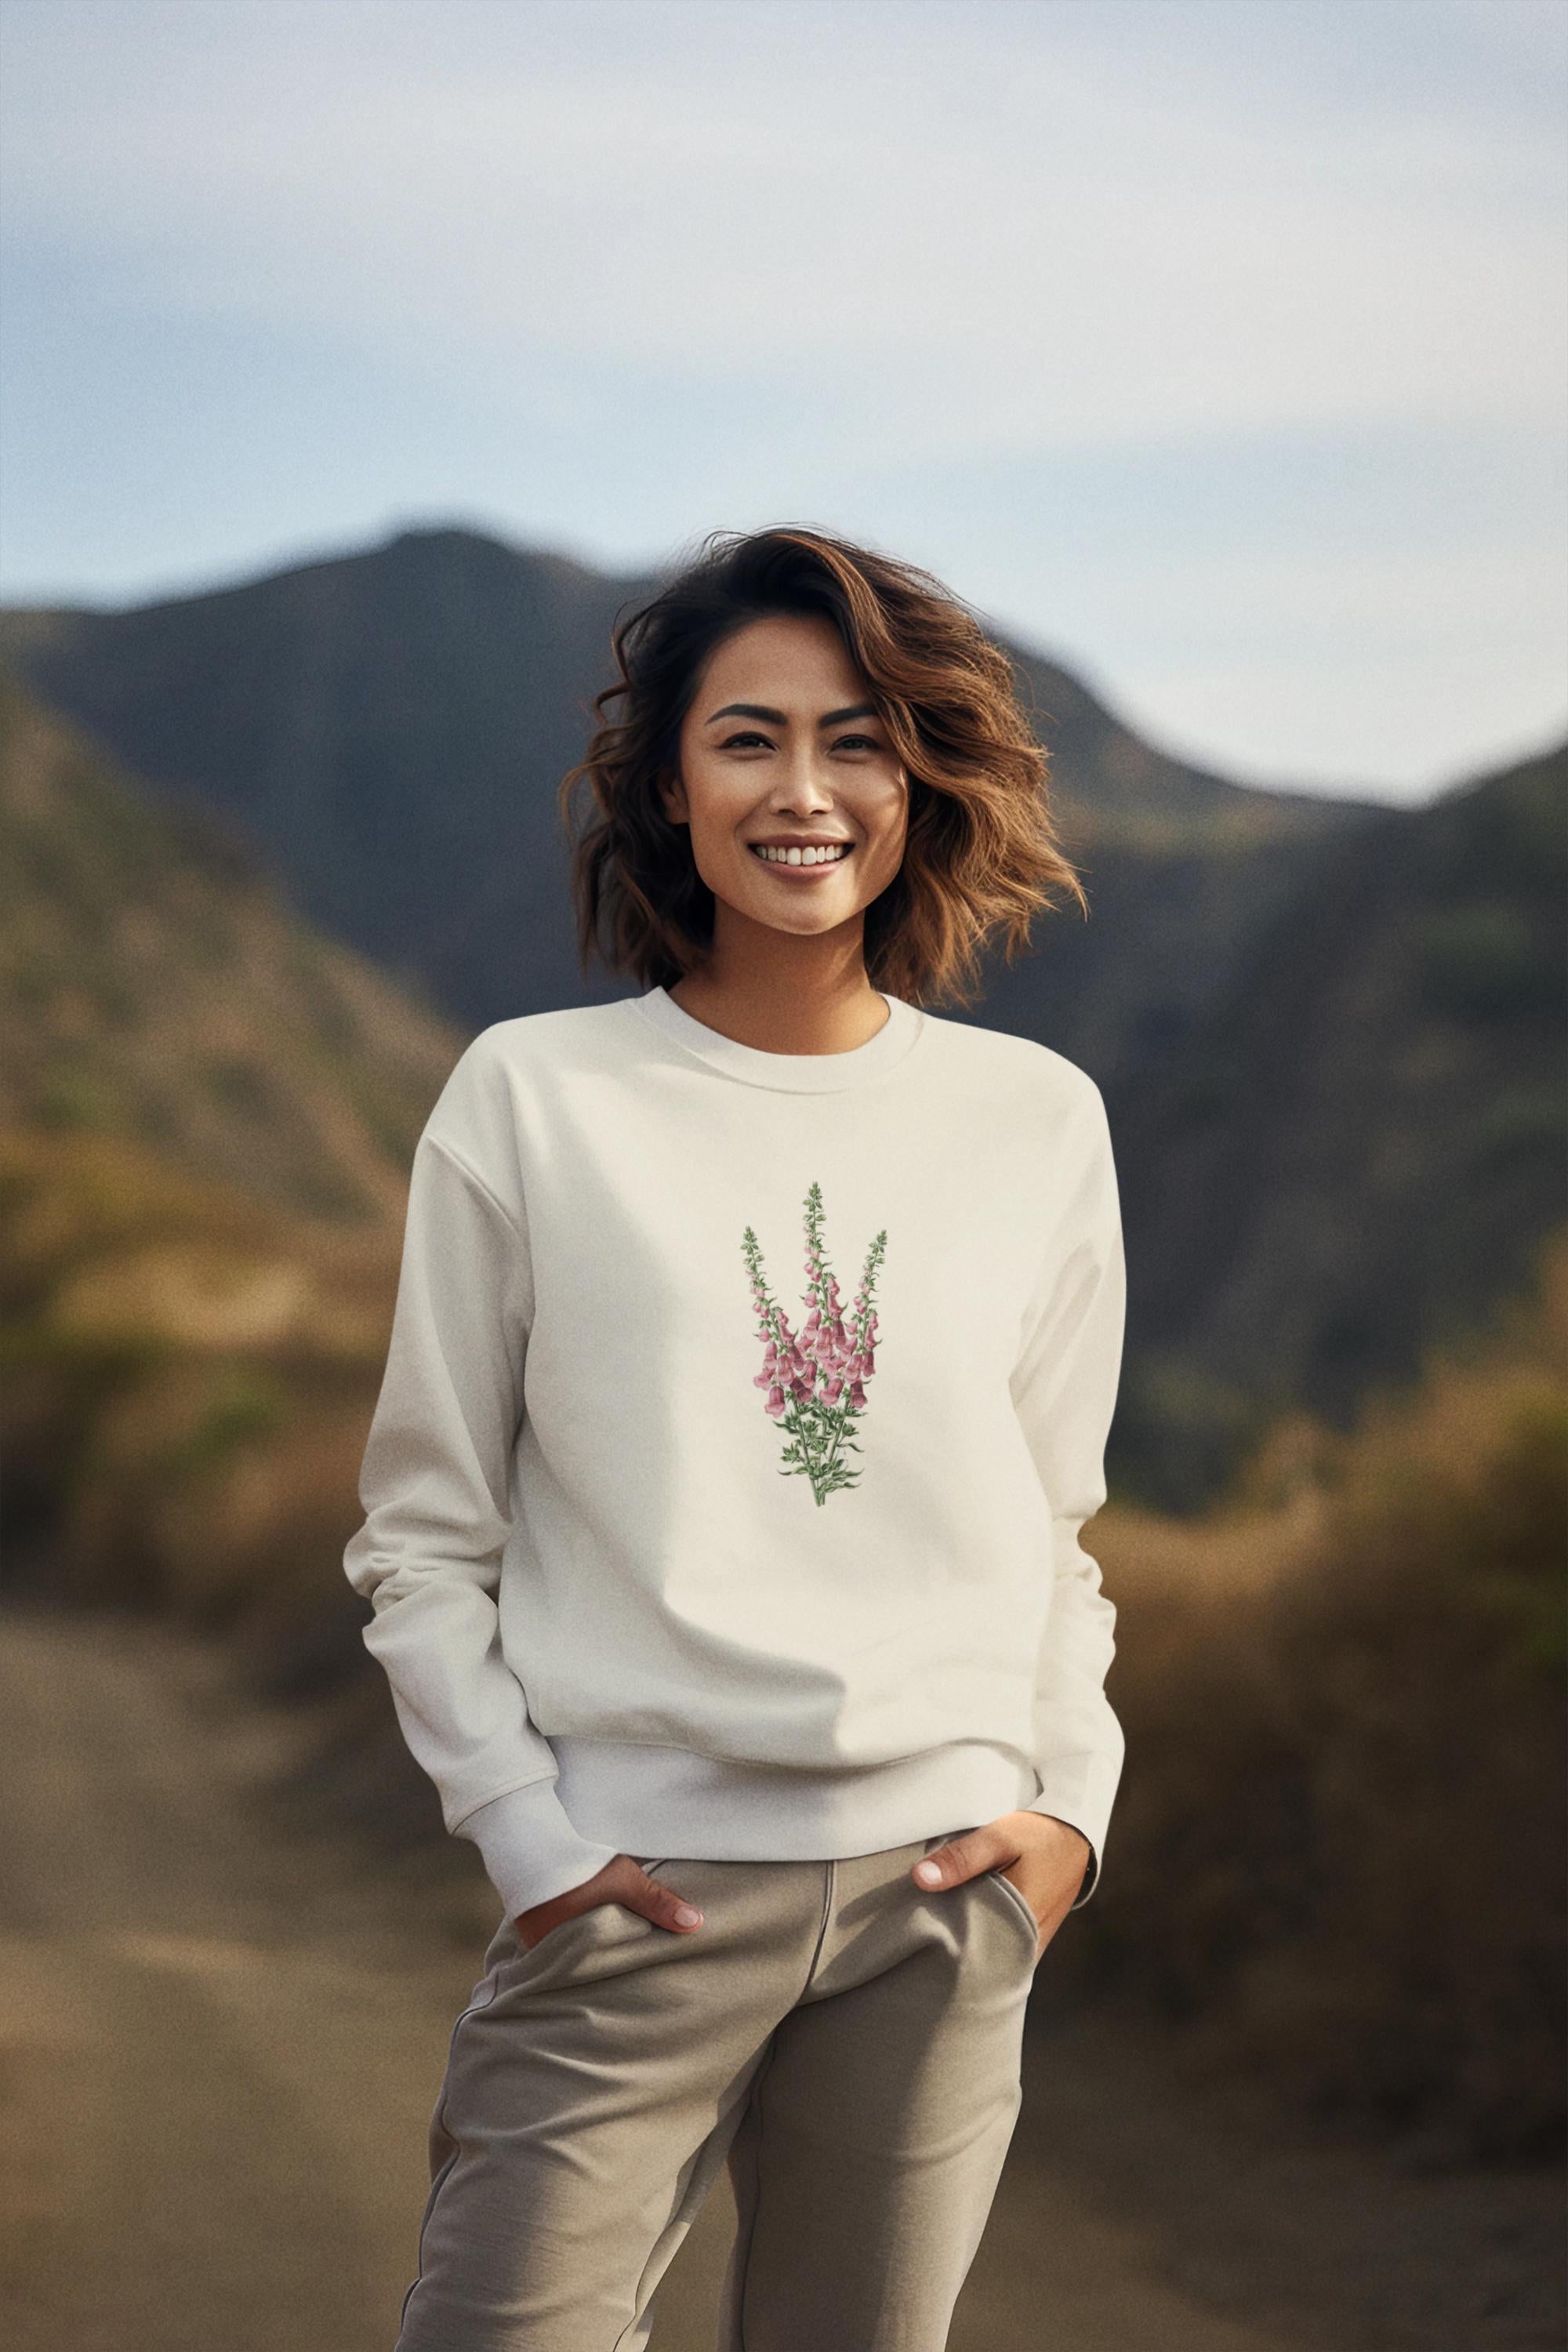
828,853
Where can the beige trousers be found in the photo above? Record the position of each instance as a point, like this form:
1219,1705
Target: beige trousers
849,2043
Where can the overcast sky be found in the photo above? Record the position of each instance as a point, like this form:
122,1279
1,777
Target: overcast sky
1217,347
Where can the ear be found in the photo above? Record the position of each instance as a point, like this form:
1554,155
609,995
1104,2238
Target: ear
672,798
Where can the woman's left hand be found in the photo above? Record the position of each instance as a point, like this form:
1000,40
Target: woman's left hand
1045,1860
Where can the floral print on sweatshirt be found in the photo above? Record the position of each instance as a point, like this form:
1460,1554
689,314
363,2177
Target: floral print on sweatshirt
815,1382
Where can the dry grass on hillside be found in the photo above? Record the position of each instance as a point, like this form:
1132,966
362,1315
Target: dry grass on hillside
1337,1857
1339,1854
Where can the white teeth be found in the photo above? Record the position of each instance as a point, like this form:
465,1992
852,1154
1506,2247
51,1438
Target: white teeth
824,856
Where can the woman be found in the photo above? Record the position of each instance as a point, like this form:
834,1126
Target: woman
756,1342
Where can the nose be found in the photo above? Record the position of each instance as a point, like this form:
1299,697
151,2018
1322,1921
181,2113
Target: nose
803,783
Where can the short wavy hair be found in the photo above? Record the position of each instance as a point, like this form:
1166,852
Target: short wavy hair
982,855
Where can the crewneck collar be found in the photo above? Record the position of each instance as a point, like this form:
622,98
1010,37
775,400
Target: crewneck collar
794,1073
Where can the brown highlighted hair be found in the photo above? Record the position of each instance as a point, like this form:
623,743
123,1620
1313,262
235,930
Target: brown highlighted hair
981,854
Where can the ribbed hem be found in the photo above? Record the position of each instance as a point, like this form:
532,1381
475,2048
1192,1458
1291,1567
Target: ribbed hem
670,1801
613,1797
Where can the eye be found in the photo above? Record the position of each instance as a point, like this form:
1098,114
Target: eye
747,735
869,741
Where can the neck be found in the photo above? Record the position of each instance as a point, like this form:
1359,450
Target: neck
785,995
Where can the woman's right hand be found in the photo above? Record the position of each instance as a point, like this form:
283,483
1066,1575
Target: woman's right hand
622,1881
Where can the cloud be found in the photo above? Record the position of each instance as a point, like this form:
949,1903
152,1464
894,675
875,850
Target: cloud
1218,344
943,230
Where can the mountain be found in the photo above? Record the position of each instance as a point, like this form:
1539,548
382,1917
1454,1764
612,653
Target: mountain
206,1116
156,989
1355,1156
1330,1034
389,728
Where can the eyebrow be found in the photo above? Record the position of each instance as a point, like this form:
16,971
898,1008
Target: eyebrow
781,718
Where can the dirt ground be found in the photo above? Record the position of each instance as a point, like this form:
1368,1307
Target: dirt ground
220,2045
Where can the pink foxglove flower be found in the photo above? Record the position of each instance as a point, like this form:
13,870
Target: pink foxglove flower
815,1382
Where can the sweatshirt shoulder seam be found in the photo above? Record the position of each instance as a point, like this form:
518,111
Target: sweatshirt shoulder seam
450,1151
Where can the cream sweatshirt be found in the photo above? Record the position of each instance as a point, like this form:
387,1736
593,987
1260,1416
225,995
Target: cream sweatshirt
742,1417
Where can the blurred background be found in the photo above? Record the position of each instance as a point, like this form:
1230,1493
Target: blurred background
365,361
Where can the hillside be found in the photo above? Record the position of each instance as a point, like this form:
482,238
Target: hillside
156,987
206,1116
1355,1157
1330,1034
390,728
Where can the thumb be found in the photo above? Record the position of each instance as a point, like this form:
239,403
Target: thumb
662,1904
950,1863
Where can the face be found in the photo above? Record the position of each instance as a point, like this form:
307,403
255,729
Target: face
782,750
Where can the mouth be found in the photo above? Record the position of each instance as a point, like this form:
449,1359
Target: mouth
816,859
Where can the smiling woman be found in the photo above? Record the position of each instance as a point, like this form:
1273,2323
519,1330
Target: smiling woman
678,1547
848,702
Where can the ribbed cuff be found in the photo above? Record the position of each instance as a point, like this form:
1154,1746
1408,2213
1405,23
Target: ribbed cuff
529,1848
1091,1875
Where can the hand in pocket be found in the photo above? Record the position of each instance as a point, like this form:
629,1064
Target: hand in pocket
622,1881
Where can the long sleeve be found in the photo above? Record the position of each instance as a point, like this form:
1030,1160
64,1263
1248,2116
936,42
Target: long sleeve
435,1487
1064,1387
